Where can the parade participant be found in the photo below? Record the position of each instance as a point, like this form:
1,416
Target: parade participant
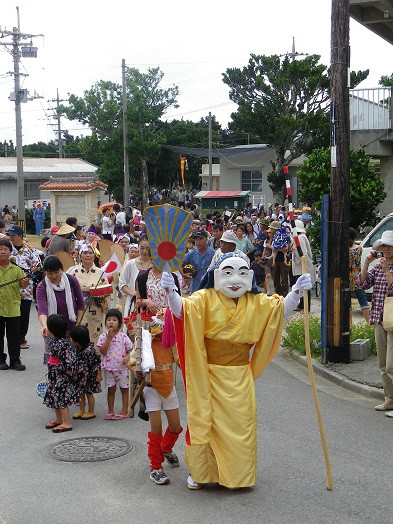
61,241
133,252
89,276
216,328
380,278
132,269
108,223
243,243
10,307
280,245
89,372
296,262
58,294
39,218
26,258
227,245
217,232
355,267
114,346
62,373
162,393
200,258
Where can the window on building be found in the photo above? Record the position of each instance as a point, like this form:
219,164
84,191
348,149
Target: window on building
252,180
32,190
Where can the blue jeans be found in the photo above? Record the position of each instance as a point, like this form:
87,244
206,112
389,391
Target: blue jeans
360,294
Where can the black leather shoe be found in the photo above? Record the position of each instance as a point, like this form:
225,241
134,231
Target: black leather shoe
18,366
3,366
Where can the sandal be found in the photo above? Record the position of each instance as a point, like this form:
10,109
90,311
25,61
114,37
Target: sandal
118,416
24,345
61,429
78,415
52,424
87,416
384,407
109,416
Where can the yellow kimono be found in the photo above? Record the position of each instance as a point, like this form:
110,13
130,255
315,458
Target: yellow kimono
219,378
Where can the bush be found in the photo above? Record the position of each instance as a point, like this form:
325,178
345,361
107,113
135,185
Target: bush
294,335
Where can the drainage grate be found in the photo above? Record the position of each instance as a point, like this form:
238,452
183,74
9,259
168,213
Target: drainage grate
90,449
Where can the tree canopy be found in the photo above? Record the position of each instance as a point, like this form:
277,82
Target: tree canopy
101,109
366,186
285,103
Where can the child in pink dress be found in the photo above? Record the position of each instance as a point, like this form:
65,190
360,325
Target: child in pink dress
114,346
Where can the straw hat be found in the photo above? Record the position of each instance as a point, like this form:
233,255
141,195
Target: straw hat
65,230
274,226
385,240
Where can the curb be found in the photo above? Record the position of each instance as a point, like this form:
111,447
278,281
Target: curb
337,378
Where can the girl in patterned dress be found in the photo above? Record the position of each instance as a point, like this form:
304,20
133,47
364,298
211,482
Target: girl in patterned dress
89,371
114,346
62,369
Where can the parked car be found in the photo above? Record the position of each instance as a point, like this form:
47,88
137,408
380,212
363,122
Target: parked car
385,224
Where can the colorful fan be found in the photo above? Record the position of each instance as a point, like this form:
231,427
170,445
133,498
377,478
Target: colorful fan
168,228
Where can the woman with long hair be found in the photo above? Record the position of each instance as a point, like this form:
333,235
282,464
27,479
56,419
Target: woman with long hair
132,269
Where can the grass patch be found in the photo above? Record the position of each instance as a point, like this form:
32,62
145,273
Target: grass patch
293,337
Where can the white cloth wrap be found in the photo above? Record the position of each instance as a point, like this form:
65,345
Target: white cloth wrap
51,297
147,352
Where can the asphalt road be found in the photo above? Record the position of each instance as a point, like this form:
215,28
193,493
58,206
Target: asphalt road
291,484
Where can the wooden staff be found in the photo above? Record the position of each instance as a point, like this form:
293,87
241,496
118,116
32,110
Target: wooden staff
329,483
138,368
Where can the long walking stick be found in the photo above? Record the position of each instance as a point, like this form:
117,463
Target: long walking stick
329,483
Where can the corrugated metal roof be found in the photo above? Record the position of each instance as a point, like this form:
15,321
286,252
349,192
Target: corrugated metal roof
47,165
221,194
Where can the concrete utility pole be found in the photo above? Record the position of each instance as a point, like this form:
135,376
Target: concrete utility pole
59,132
339,298
126,189
20,95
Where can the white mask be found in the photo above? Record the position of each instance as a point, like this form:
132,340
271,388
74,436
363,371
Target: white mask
233,278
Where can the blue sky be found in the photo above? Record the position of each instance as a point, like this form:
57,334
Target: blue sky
193,43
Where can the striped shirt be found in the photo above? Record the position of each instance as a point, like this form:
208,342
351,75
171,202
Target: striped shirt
376,278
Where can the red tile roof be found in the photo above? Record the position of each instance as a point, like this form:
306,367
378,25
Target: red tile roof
73,184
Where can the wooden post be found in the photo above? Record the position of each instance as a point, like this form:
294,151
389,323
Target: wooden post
338,259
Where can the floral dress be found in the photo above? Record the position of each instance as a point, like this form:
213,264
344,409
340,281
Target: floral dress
62,390
89,363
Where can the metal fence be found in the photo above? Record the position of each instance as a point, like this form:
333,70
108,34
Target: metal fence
370,109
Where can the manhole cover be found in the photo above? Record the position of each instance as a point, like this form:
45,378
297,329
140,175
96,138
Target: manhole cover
90,449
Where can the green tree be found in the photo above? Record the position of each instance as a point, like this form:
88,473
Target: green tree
285,103
366,186
101,109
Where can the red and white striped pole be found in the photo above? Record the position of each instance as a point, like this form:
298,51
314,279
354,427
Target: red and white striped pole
329,483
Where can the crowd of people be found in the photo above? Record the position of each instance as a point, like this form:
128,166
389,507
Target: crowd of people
87,340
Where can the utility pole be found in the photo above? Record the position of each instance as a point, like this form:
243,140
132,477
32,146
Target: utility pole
339,298
19,96
210,154
126,189
59,132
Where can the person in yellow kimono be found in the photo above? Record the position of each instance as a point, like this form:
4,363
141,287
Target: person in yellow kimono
216,327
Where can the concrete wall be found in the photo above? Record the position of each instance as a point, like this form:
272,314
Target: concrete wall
8,194
81,204
386,206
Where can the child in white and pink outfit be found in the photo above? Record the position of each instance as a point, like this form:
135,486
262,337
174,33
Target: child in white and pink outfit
114,346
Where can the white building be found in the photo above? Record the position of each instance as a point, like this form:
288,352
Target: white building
37,171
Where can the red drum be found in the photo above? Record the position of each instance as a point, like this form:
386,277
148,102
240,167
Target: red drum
101,291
